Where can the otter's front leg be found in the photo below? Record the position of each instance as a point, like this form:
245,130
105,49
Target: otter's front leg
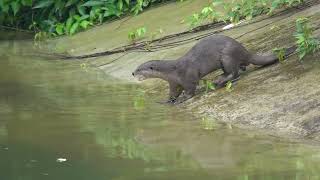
175,91
190,90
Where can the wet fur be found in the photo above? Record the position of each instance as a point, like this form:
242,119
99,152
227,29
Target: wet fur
208,55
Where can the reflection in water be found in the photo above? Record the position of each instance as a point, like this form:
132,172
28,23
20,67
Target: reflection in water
106,129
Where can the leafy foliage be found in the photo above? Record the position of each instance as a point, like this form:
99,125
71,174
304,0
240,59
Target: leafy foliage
280,53
208,85
275,4
208,124
58,17
234,11
305,42
136,34
229,86
207,13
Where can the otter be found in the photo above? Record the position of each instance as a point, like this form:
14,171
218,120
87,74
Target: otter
210,54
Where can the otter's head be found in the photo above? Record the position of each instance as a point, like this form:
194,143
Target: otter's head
150,69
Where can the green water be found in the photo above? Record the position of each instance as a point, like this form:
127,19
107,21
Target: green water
106,129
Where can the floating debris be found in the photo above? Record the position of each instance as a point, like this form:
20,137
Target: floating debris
61,160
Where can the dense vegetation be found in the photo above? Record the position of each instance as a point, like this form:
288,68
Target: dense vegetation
305,40
234,11
58,17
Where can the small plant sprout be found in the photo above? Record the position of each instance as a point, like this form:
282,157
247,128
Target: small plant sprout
84,66
304,40
207,13
280,54
208,85
208,124
229,87
156,33
194,20
139,100
141,31
137,34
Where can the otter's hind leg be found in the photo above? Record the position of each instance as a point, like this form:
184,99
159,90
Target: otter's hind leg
230,69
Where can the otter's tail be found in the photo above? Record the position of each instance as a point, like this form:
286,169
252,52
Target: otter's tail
263,60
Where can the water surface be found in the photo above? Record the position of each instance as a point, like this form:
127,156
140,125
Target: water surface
67,121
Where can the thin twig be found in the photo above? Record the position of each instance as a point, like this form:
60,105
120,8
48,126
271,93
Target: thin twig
15,29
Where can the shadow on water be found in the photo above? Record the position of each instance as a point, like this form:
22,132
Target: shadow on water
53,110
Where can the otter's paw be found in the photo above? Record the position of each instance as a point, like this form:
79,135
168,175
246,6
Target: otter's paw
243,68
218,85
183,99
170,101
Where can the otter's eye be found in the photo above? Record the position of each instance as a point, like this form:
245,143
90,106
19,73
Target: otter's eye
151,68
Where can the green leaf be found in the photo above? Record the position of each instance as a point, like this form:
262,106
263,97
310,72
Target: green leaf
82,10
109,13
84,24
131,36
74,28
58,5
206,10
120,4
141,31
77,17
217,3
302,54
72,11
5,8
59,29
229,86
69,24
211,86
43,4
100,18
138,7
93,3
71,2
92,15
15,7
84,17
26,2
